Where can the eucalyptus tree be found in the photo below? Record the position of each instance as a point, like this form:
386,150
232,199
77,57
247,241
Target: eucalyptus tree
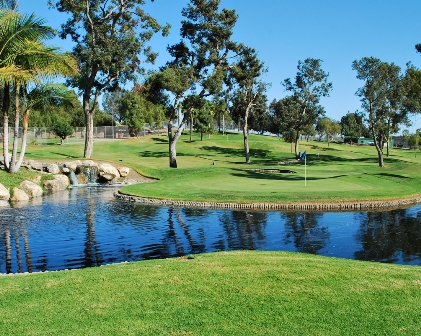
110,36
246,90
25,63
396,112
373,99
382,99
199,62
309,86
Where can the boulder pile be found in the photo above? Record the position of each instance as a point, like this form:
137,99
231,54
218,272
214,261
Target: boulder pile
76,172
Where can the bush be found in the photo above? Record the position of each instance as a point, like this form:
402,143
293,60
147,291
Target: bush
62,129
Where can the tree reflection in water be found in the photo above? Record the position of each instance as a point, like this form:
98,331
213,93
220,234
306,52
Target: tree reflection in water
89,227
303,230
389,236
244,230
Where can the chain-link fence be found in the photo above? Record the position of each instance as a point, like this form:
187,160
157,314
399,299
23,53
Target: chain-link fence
45,136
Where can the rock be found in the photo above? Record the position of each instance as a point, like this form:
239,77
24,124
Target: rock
32,189
65,170
36,179
4,193
89,163
19,195
108,169
4,204
52,169
124,171
60,182
32,164
81,179
72,164
107,177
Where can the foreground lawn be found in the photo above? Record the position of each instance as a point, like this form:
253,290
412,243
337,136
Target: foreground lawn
214,169
226,293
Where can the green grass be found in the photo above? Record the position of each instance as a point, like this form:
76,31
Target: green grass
234,293
214,169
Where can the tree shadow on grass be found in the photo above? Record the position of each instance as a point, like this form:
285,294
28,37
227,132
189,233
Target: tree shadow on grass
156,154
238,152
393,175
278,176
66,155
160,140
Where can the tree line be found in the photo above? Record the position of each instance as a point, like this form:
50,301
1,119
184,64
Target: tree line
209,76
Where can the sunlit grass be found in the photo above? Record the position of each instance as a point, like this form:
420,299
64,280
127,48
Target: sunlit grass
215,169
233,293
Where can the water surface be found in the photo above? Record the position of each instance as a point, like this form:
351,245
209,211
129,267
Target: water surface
85,227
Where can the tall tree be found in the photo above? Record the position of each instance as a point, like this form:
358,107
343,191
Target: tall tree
382,99
110,35
309,86
373,99
199,62
25,61
247,90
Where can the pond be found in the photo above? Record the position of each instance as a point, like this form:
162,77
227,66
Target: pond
84,227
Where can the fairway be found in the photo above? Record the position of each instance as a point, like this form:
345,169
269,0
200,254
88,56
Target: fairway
215,170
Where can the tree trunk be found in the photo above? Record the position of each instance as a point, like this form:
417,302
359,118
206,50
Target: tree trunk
89,135
24,138
379,148
246,136
89,123
191,129
5,108
13,168
297,141
174,138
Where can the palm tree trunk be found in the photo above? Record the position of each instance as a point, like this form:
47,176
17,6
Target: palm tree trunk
13,169
24,139
6,106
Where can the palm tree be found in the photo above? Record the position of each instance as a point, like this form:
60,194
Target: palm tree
25,60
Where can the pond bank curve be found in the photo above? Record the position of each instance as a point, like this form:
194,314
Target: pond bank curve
356,205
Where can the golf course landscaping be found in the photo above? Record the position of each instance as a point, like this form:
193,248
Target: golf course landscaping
238,292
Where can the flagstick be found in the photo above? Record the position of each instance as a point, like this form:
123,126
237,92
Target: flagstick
305,170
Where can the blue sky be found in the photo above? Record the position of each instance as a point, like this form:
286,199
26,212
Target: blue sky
286,31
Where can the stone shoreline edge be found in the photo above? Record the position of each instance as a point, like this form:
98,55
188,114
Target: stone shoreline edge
366,205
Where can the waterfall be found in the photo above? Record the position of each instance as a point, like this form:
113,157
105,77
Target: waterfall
73,178
90,173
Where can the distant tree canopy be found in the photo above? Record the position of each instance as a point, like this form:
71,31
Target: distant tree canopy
352,126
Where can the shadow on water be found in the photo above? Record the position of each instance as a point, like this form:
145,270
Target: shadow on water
85,227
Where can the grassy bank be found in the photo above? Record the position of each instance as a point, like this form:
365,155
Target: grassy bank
235,293
214,169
